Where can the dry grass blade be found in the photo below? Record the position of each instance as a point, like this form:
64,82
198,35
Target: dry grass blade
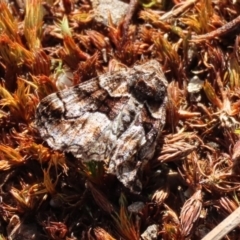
124,223
47,46
13,53
101,234
50,187
82,17
97,39
23,198
229,205
21,104
33,23
100,199
211,95
7,23
45,85
71,53
41,65
10,158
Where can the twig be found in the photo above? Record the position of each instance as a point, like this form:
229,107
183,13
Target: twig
131,9
225,226
178,9
218,32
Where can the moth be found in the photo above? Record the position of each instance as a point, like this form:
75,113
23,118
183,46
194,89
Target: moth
116,118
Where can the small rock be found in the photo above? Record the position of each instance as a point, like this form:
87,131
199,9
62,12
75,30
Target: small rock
102,8
151,233
136,207
195,85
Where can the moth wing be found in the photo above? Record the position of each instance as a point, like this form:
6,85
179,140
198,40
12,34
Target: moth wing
78,120
115,84
135,145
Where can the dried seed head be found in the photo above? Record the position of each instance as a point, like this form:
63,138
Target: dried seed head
175,151
228,204
161,195
236,151
190,212
171,224
102,234
100,198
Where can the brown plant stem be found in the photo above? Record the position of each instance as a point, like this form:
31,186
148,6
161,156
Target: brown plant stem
177,10
218,32
131,10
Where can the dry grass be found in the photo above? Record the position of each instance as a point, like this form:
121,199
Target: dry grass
193,182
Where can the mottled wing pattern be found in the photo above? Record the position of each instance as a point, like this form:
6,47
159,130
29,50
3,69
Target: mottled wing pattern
78,120
115,118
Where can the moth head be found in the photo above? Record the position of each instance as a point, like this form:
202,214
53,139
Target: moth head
148,87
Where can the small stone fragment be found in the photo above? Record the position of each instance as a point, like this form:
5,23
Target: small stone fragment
195,85
136,207
117,9
150,233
